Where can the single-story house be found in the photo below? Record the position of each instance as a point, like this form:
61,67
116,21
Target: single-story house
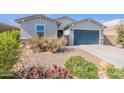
86,31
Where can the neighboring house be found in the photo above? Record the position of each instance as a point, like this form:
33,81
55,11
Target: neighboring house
6,27
86,31
110,35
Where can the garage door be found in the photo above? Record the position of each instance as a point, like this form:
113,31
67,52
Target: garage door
86,37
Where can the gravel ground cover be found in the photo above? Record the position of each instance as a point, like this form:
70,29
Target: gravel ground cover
46,59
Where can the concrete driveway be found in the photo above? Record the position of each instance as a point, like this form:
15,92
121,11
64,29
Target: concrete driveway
110,54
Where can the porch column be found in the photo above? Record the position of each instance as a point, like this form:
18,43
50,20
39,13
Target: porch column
71,37
101,38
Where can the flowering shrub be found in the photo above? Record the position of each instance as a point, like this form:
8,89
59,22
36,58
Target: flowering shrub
57,73
37,72
31,73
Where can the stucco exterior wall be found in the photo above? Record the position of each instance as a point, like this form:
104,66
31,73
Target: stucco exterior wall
87,25
28,28
110,35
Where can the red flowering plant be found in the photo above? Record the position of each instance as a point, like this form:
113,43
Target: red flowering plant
37,72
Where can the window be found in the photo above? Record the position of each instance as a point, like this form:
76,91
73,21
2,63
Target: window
40,30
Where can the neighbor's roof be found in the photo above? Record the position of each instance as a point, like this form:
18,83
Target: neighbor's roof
35,17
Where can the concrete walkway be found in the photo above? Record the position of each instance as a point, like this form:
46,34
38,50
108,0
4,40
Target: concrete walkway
110,54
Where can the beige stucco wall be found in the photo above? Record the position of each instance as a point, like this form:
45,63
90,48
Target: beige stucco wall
110,34
28,28
110,30
87,25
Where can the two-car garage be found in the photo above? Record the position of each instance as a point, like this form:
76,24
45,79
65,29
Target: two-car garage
86,37
86,32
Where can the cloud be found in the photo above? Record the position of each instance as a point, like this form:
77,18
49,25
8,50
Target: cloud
102,21
112,22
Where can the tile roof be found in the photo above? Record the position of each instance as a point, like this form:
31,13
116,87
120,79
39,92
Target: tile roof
64,24
65,17
56,21
35,17
87,19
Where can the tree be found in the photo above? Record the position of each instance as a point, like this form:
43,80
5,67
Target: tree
120,33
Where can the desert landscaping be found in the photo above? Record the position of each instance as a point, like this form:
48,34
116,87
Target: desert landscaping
54,54
29,57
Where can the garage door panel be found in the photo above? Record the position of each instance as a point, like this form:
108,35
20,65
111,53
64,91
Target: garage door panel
86,37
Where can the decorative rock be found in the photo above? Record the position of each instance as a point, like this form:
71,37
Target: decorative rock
29,58
105,65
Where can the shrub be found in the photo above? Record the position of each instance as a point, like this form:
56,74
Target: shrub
57,73
34,42
114,73
120,33
81,68
44,44
9,50
37,72
31,73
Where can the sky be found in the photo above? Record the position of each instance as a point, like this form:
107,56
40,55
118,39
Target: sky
9,18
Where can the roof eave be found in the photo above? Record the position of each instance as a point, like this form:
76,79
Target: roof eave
35,17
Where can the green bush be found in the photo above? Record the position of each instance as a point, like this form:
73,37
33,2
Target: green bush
45,44
9,50
81,68
114,73
120,33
